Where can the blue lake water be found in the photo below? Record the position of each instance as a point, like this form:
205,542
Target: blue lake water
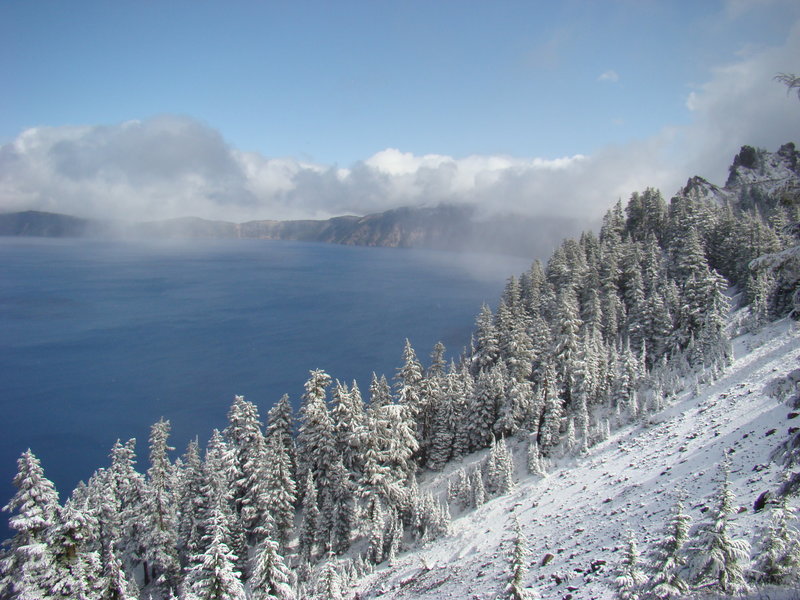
99,339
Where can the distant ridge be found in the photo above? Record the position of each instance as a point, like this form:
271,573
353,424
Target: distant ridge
442,227
45,224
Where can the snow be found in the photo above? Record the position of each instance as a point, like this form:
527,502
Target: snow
580,512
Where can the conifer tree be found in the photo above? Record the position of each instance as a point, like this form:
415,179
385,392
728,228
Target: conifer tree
348,419
316,441
485,406
566,354
309,529
717,557
123,517
248,449
778,562
667,559
375,518
516,408
444,423
280,424
515,589
461,404
280,491
337,512
189,499
214,575
401,443
77,573
499,468
271,576
116,583
549,434
29,563
160,510
535,460
476,489
487,342
329,585
631,578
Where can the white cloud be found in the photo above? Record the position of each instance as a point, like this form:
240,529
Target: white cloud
172,166
609,77
742,104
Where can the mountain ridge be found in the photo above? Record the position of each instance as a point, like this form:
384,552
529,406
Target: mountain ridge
443,227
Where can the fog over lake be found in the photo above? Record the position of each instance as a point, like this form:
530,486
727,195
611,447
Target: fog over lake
99,339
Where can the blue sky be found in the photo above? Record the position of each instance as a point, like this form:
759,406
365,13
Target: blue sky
269,95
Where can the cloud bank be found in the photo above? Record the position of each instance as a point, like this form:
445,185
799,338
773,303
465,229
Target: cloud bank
171,166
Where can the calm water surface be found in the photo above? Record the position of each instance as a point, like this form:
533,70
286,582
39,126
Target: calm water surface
100,339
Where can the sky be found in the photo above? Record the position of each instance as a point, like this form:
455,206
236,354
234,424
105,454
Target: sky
264,110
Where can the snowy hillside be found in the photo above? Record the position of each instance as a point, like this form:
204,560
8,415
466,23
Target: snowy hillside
581,510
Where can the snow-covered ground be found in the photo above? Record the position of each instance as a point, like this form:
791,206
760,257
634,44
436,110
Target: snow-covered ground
580,512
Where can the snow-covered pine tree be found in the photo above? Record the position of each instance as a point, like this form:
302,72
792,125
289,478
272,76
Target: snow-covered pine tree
444,422
349,420
487,343
477,489
400,442
515,588
549,430
213,574
516,409
499,468
190,504
485,406
160,511
329,584
218,473
316,442
248,447
718,559
77,572
566,354
28,564
631,578
535,460
461,404
410,395
460,489
778,561
280,424
123,518
337,510
315,439
280,490
667,558
393,536
309,533
270,578
116,583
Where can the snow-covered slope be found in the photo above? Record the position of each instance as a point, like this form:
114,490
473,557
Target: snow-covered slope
579,513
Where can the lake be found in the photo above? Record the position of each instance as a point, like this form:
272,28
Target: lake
99,339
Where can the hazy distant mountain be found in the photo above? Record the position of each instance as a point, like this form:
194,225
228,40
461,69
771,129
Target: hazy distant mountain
444,227
44,224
